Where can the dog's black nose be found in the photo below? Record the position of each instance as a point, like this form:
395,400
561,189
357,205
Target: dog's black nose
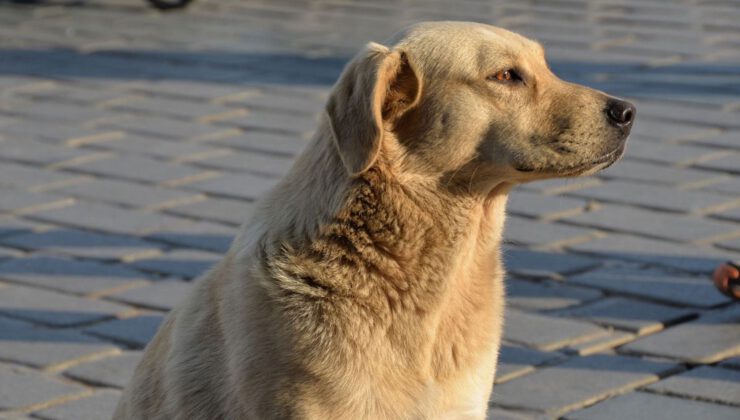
621,113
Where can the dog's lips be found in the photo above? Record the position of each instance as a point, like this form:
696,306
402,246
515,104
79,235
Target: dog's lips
598,164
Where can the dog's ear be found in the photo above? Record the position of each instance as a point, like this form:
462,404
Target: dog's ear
377,87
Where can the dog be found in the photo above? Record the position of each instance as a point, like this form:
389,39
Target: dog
369,282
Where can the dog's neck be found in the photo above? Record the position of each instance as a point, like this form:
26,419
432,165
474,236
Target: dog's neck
377,226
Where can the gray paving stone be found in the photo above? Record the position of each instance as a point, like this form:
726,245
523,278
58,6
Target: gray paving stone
37,152
545,264
560,186
19,202
727,139
44,348
240,186
729,186
98,406
732,245
257,163
274,101
82,244
673,288
7,253
656,197
272,122
546,332
166,128
692,258
705,382
10,226
68,114
15,417
701,116
650,173
199,235
66,275
514,361
158,148
546,295
521,231
126,193
190,89
732,215
137,168
631,315
601,344
136,331
22,388
709,339
668,153
732,363
501,414
577,383
651,406
726,163
172,108
107,218
79,94
653,224
662,130
58,133
161,295
183,263
114,371
255,141
223,210
32,178
543,207
55,309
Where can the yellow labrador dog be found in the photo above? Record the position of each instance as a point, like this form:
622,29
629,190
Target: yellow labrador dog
369,283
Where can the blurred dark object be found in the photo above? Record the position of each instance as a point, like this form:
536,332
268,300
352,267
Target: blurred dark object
727,279
169,4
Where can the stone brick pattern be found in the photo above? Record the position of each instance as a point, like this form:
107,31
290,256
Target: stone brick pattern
134,143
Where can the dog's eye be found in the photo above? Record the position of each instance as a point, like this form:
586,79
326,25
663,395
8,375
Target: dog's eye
509,75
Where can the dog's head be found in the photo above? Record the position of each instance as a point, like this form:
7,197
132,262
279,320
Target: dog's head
472,103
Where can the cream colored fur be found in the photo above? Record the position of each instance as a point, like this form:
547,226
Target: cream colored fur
369,283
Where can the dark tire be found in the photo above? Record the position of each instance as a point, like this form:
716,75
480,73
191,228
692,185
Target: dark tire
169,4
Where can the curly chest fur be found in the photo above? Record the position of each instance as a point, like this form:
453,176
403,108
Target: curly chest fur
406,303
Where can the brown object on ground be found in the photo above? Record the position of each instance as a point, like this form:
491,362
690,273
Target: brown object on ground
727,279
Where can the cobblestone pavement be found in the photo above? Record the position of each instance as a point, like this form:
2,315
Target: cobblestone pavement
133,143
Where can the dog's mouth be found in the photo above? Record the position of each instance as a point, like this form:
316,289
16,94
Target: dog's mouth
598,164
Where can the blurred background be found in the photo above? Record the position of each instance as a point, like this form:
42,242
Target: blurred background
134,142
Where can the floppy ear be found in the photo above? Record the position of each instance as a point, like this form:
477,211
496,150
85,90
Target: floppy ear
377,86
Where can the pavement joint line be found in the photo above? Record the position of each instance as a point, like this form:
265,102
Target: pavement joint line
62,202
71,163
95,138
716,238
560,244
59,184
207,119
124,287
164,205
692,186
685,396
194,157
200,176
49,403
62,366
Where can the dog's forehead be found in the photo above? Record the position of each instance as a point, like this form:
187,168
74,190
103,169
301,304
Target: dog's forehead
463,43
